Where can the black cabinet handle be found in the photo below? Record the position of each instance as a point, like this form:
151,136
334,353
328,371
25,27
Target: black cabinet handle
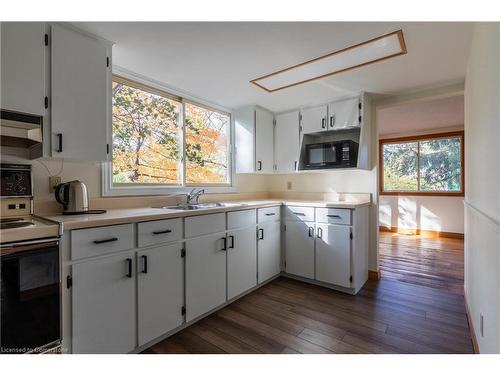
162,231
144,263
311,232
323,122
59,142
260,234
259,167
299,213
332,117
334,216
224,244
271,214
232,242
320,232
295,166
129,267
113,239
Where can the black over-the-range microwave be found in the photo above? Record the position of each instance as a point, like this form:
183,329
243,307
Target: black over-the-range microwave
337,154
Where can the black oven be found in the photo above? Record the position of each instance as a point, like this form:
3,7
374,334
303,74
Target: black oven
338,154
30,296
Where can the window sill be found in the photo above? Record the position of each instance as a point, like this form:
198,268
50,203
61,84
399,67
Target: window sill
423,194
108,190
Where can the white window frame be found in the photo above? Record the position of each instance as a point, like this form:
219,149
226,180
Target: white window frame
143,189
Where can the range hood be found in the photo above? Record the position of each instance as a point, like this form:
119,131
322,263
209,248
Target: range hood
21,133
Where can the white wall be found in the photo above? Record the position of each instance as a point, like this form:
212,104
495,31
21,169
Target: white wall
482,185
90,173
442,214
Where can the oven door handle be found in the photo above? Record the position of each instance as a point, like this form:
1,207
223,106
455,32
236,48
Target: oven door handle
28,245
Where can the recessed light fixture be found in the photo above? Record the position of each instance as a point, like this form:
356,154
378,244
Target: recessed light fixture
368,52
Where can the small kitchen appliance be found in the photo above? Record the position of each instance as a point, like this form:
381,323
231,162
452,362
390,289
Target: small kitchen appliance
327,155
74,198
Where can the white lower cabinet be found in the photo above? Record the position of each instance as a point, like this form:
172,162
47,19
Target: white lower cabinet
103,305
160,291
241,261
299,244
268,250
333,254
205,274
123,298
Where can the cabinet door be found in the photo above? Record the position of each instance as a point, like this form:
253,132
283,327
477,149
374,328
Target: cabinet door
23,67
333,254
286,142
205,275
244,139
264,139
103,305
159,291
343,114
269,250
241,261
79,95
299,242
314,119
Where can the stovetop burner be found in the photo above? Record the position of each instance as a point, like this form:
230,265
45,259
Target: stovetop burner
10,219
15,224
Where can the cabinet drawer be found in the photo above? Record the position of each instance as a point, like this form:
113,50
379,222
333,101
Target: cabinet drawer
333,215
297,213
205,224
159,231
269,214
87,243
241,219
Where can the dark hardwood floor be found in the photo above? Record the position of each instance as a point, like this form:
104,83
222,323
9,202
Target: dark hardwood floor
416,307
433,262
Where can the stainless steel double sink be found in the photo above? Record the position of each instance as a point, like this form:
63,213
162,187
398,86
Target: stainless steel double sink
199,206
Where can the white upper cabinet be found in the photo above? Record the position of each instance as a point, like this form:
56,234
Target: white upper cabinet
23,67
264,140
81,94
286,142
254,140
344,114
314,119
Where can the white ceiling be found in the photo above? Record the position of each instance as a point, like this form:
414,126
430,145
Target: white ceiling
216,61
422,116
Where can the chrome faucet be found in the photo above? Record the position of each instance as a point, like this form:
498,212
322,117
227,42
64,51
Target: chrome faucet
194,195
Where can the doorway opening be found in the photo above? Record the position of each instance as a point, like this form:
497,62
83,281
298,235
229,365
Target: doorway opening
421,189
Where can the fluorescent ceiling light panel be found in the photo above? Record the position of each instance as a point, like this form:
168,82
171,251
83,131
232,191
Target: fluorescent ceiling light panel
369,52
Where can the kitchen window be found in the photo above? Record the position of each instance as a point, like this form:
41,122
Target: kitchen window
161,140
422,165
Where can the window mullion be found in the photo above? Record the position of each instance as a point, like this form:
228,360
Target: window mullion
183,143
418,166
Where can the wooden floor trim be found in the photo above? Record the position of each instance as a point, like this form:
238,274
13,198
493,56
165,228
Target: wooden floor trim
424,233
475,344
373,275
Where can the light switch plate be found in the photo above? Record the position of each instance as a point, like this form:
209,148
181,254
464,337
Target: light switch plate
53,182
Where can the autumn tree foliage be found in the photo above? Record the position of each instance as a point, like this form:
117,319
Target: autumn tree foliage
148,139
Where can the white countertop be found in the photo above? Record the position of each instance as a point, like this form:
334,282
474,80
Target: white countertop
133,215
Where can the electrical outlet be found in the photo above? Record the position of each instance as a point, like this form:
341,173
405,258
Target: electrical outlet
289,185
53,182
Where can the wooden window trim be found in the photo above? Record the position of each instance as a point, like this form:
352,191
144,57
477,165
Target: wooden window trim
417,138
